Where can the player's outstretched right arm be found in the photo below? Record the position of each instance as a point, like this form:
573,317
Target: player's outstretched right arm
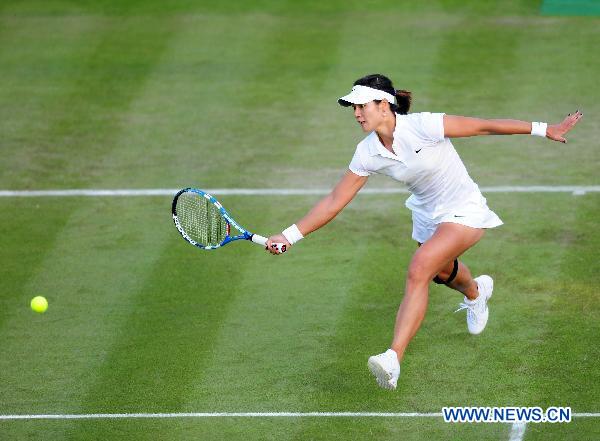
323,211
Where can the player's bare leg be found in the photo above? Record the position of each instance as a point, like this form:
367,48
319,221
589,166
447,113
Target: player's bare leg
463,281
477,292
448,242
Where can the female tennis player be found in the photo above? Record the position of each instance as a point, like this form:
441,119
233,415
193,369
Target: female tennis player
449,213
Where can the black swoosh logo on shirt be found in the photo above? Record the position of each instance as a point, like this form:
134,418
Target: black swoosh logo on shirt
417,151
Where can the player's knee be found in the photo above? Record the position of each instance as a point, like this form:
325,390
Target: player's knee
447,275
441,277
443,274
418,273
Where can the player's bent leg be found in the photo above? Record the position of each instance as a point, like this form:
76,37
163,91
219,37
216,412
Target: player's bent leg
456,275
477,292
448,274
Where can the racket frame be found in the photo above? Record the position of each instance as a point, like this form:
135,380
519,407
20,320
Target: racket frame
245,234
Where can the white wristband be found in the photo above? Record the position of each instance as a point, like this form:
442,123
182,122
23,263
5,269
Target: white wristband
292,234
538,129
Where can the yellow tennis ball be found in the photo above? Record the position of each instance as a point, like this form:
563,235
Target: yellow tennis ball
39,304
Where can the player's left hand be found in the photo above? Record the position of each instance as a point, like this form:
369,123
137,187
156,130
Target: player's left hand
557,132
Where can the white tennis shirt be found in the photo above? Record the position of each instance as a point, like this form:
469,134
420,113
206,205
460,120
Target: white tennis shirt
427,163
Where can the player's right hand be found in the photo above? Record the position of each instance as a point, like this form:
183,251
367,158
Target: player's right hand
277,238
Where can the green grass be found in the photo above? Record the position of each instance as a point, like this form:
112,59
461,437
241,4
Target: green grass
136,324
149,95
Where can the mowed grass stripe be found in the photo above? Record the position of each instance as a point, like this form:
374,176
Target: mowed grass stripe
174,127
497,79
85,114
170,326
187,125
274,339
537,299
81,88
564,90
70,87
572,317
95,263
94,267
256,352
164,328
364,325
25,246
523,258
215,117
37,73
64,106
253,106
187,360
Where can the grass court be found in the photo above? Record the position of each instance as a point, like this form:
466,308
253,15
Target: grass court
150,94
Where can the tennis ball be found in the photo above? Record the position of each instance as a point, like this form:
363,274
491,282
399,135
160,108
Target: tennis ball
39,304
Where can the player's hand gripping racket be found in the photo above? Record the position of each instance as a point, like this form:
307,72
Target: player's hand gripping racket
203,221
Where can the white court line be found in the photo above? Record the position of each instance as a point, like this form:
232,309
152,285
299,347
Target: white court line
517,432
223,415
244,415
574,189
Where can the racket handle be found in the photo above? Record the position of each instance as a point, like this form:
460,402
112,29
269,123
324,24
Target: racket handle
257,238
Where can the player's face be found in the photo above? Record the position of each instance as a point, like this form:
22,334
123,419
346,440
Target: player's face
369,115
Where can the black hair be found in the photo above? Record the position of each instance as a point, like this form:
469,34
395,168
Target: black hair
381,82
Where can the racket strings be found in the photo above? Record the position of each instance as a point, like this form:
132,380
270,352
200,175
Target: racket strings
201,220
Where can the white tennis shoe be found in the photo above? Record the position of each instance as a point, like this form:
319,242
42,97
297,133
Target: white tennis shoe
386,369
477,310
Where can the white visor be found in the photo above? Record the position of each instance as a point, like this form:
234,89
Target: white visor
365,94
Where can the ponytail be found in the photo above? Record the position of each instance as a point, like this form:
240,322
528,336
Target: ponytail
403,99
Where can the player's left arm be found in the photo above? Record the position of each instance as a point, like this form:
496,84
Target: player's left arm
464,126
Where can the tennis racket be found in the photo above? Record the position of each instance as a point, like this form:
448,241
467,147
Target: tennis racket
202,221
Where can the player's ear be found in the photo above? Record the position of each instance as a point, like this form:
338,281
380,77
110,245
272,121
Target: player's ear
384,107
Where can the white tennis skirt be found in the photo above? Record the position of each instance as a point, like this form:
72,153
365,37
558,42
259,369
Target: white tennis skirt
474,217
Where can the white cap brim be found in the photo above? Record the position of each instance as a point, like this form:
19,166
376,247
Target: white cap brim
364,95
